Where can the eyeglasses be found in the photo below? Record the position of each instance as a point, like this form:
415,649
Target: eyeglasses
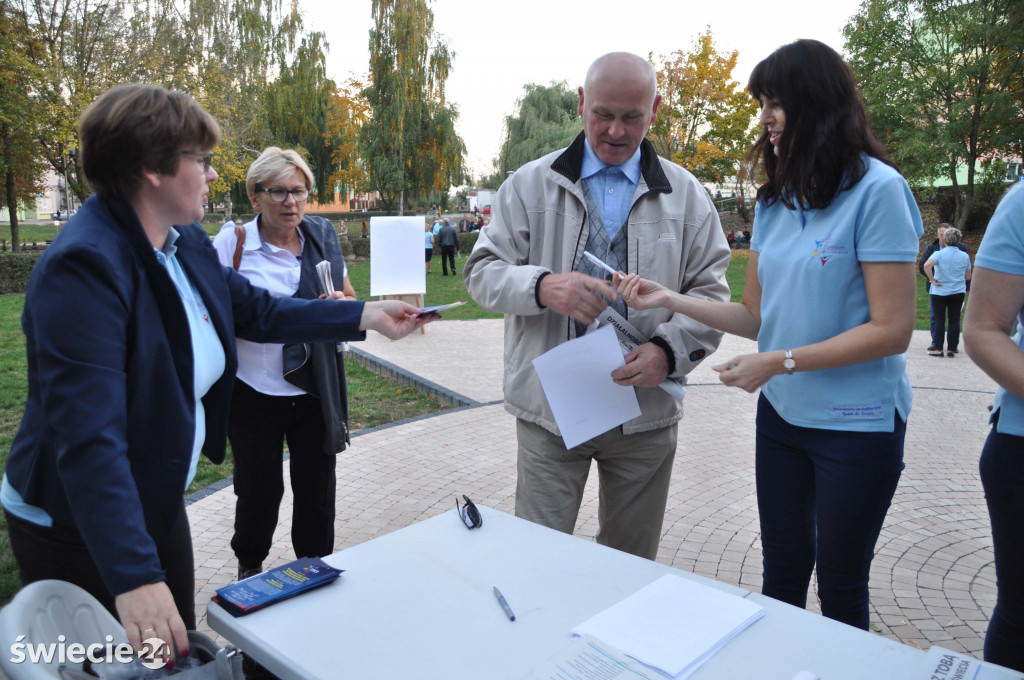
203,158
281,195
469,514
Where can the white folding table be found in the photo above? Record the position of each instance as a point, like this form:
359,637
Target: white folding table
418,603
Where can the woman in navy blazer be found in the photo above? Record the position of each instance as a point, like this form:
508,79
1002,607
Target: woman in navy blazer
130,325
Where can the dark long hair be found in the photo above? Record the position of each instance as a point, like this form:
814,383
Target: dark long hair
826,132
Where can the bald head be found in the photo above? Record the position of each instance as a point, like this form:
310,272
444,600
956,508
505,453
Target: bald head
622,67
618,103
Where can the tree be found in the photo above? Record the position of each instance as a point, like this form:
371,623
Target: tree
81,48
21,163
939,78
546,118
239,46
297,110
409,144
704,121
347,113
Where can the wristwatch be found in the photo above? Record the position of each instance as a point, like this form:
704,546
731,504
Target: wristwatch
789,363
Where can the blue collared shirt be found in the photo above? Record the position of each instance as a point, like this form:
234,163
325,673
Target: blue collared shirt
612,186
207,350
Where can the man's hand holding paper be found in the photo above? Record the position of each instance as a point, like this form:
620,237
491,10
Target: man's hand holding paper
576,377
646,366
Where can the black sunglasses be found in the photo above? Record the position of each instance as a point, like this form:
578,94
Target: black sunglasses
469,514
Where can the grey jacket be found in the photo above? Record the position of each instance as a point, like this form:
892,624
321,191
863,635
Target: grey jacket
540,224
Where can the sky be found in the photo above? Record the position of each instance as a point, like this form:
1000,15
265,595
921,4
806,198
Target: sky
501,45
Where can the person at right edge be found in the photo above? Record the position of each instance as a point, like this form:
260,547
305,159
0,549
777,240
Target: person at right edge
829,296
610,195
996,302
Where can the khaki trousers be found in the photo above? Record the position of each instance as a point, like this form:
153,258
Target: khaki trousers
634,472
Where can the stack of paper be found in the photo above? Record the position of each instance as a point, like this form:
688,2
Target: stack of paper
673,625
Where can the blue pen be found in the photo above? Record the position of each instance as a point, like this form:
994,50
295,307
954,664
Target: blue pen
504,604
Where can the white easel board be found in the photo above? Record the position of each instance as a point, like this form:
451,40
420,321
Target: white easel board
396,256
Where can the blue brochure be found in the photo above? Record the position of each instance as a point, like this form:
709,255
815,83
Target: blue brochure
263,590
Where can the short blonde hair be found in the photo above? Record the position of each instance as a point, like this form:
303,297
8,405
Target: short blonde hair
273,163
952,236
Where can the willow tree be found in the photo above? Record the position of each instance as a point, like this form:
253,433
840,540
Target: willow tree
546,119
241,46
297,109
409,144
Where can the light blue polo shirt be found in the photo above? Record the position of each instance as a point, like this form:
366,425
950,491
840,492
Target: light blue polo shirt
951,267
813,289
1002,250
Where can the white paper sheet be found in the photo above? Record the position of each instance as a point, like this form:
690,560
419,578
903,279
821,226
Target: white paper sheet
673,625
396,256
587,658
577,381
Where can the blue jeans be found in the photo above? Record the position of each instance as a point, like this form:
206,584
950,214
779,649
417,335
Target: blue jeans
822,496
1002,475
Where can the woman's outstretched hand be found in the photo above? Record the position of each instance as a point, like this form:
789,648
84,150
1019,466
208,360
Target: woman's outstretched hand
393,319
641,293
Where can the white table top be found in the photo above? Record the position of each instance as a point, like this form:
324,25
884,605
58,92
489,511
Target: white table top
417,603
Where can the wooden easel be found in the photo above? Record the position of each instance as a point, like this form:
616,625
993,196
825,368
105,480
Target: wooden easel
415,299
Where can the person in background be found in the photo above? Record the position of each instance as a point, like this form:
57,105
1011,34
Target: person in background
949,271
448,238
465,224
830,298
997,302
933,247
285,393
129,323
608,194
428,242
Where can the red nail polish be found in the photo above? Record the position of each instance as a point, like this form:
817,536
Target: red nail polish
184,652
169,666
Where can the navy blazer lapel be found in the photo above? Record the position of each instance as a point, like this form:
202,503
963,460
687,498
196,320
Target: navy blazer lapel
168,302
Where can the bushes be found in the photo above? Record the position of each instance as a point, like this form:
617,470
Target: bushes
359,248
15,269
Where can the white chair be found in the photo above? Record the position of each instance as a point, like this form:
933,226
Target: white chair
43,610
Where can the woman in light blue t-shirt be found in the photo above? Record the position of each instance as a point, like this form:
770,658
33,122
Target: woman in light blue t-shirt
830,297
948,270
997,301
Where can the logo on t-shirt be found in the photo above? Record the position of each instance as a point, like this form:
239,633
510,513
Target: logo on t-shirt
825,251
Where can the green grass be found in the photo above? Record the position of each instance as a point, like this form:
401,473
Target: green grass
30,233
440,290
